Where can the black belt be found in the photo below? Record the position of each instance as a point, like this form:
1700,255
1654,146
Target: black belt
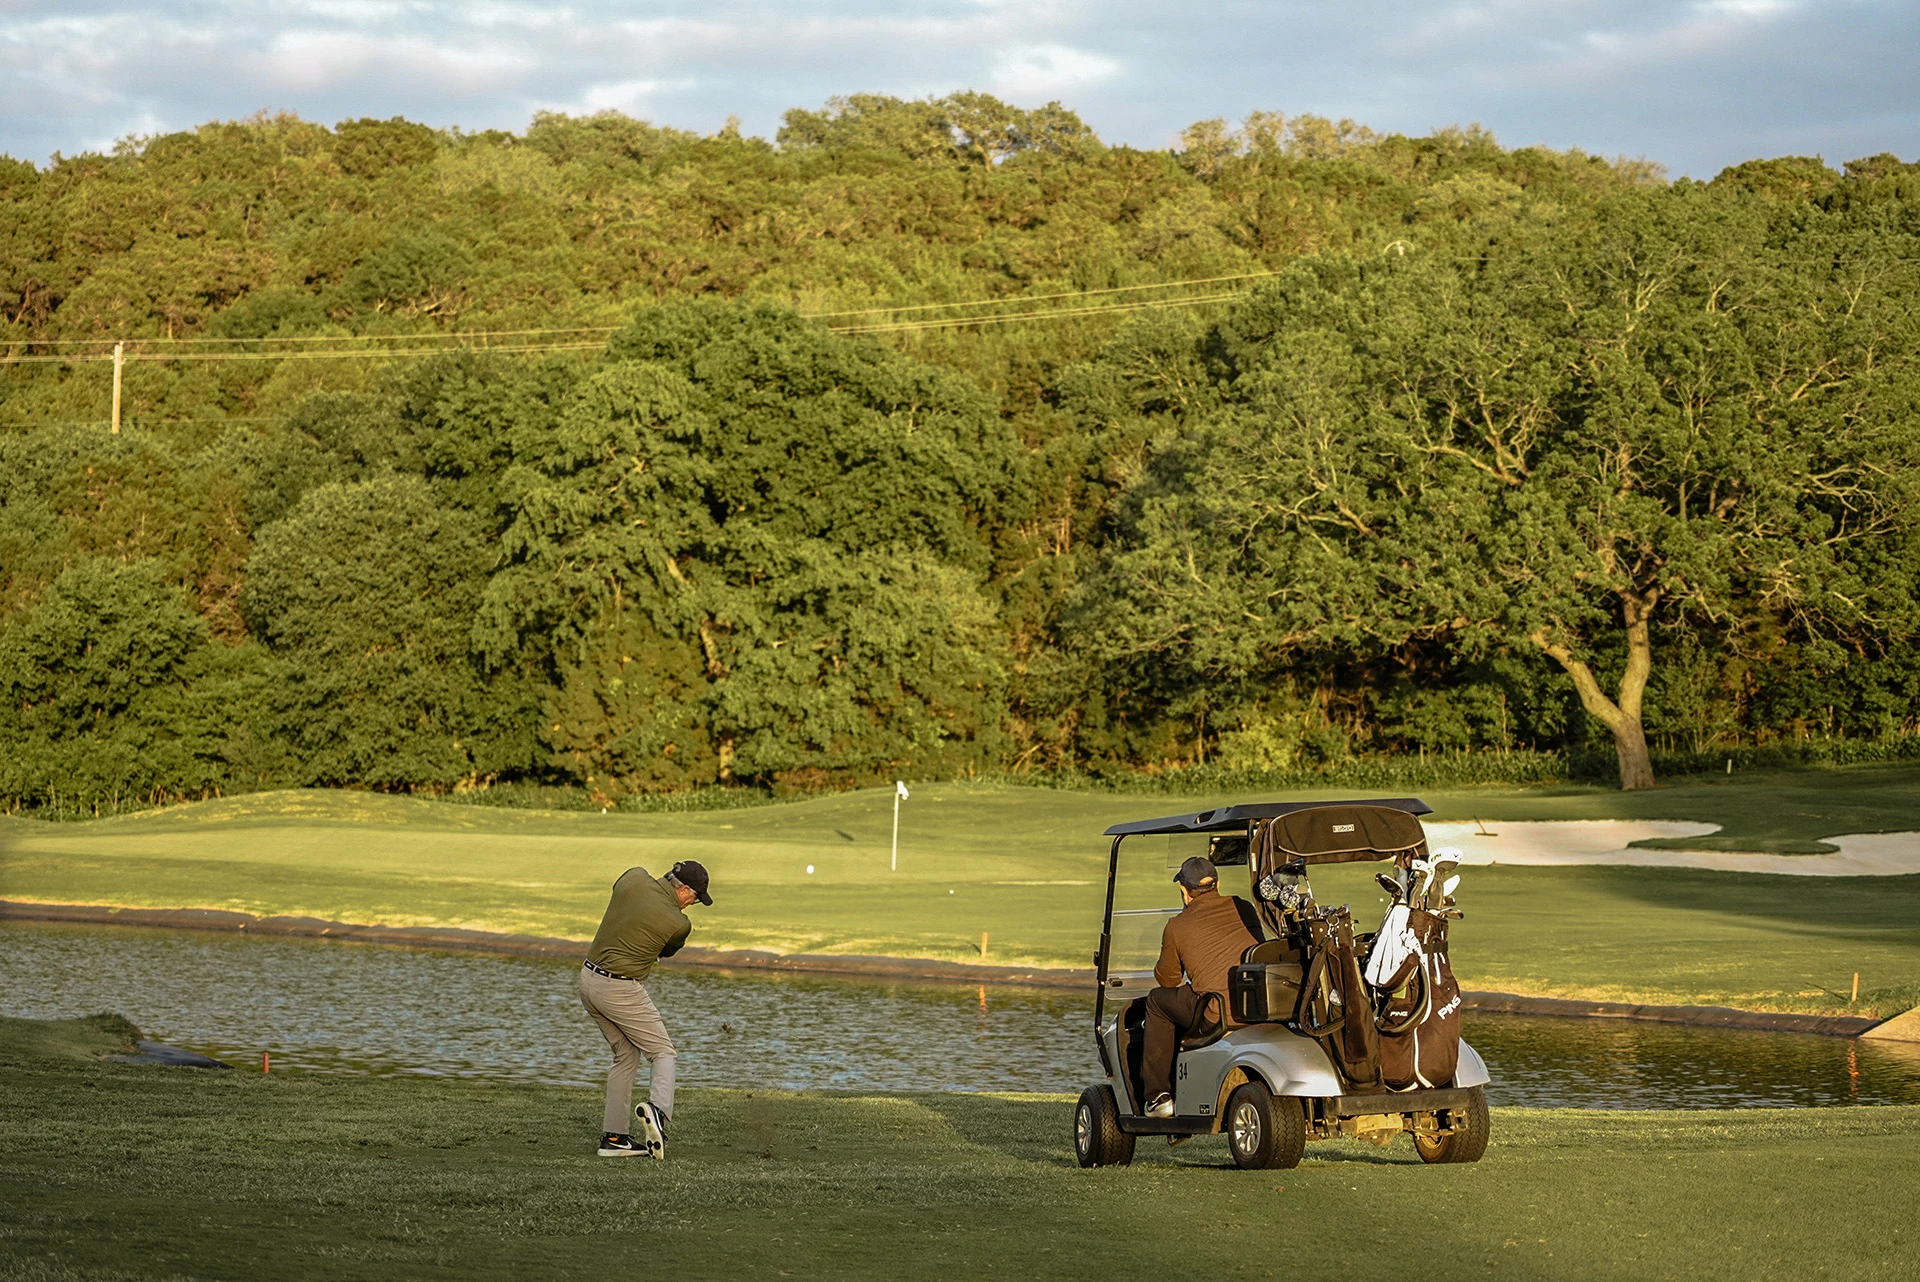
602,970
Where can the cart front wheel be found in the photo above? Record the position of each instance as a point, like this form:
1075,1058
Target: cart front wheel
1264,1133
1097,1137
1467,1142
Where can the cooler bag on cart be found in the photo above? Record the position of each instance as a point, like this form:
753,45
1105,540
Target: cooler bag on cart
1266,990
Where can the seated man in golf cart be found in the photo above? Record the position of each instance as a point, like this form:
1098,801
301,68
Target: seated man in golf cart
1205,942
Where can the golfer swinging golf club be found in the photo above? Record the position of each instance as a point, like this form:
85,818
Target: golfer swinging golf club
645,921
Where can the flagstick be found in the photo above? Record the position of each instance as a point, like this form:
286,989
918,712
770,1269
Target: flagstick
899,795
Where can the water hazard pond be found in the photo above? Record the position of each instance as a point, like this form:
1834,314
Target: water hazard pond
336,1007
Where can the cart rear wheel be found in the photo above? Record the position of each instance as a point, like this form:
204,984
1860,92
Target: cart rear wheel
1097,1137
1264,1133
1468,1140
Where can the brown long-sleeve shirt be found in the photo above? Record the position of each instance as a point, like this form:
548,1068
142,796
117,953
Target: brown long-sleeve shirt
1205,942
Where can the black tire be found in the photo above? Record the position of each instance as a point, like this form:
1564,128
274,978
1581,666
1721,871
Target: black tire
1097,1137
1264,1133
1468,1140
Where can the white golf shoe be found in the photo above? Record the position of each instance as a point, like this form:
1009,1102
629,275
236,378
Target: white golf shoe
652,1129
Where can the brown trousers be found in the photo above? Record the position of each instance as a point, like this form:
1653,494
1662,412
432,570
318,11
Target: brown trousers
1170,1013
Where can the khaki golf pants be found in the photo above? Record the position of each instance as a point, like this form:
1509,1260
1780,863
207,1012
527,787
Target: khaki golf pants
633,1028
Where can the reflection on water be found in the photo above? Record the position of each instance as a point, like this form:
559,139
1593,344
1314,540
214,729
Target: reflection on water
338,1007
342,1007
1618,1063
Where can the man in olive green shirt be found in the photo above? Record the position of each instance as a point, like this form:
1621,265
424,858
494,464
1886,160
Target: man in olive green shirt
645,921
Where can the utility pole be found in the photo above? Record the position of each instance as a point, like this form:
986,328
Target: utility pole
118,349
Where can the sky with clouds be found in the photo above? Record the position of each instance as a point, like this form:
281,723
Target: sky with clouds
1693,84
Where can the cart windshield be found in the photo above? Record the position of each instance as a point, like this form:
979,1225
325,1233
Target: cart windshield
1145,896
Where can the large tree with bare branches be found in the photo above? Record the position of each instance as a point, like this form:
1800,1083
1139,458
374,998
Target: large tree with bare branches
1666,418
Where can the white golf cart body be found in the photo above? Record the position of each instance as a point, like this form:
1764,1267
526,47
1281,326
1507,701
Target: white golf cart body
1286,1063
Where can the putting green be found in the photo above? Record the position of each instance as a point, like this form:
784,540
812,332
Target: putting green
121,1172
1025,868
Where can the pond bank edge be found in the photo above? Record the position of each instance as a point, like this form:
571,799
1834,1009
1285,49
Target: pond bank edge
856,966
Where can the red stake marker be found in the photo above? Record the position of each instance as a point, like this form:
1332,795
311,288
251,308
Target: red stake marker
266,1065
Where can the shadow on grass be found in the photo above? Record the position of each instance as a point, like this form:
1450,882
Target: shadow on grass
1038,1131
1321,1153
1017,1129
1847,905
1738,845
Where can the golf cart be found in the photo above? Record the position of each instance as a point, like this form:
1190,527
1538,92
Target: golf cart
1329,1032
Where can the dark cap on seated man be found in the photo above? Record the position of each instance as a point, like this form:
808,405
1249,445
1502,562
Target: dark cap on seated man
693,876
1197,874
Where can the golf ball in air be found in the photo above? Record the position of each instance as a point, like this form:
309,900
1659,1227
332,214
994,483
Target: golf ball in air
809,870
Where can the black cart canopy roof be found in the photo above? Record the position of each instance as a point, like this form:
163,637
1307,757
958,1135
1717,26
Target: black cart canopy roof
1236,818
1338,833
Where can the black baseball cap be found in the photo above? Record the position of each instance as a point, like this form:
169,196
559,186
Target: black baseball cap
694,877
1197,872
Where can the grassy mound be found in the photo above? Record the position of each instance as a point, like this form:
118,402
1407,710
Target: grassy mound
31,1041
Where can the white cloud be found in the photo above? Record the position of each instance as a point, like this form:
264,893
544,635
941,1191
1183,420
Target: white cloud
1759,10
630,97
1050,71
302,61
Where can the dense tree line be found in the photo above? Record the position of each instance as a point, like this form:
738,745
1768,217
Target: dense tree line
1506,449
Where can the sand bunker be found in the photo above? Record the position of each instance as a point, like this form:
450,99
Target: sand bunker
1606,841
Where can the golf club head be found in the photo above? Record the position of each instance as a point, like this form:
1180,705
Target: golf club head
1389,884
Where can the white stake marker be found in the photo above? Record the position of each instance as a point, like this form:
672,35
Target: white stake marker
899,795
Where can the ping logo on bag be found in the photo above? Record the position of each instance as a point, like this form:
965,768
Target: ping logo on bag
1343,827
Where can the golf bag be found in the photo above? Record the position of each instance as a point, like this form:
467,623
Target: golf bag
1336,1006
1418,1019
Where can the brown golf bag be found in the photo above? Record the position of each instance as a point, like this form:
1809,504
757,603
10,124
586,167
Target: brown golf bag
1419,1011
1336,1006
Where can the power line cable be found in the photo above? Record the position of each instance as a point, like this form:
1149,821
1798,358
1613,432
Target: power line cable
455,335
141,420
466,337
521,348
956,321
1037,298
376,353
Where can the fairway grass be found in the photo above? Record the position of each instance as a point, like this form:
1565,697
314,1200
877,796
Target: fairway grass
112,1171
1025,868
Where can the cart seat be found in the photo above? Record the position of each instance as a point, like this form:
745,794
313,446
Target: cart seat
1266,952
1210,1027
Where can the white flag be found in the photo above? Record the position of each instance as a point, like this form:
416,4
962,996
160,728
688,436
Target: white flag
900,789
